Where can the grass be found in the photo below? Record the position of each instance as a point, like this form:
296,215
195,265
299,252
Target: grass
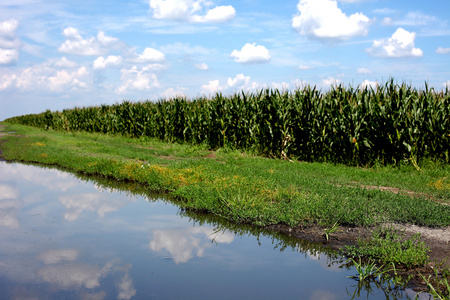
243,187
389,245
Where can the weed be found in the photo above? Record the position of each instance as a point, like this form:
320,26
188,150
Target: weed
388,246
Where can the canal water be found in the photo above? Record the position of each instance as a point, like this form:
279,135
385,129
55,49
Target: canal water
63,236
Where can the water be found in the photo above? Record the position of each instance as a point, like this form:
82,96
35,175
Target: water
67,237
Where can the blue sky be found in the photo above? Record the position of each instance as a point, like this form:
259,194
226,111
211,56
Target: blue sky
62,54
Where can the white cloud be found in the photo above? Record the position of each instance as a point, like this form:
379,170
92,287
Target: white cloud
211,88
184,49
7,80
281,86
384,11
63,62
329,81
201,66
71,275
400,44
137,79
251,53
54,256
185,244
111,60
171,93
387,21
446,84
8,56
413,18
151,55
322,19
441,50
148,55
79,203
9,204
216,15
416,19
367,83
363,71
9,43
239,81
76,44
63,79
304,67
46,77
188,11
126,287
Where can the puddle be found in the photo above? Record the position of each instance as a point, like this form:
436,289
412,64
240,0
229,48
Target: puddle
65,236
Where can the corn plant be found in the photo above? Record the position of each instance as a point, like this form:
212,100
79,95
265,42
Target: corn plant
390,123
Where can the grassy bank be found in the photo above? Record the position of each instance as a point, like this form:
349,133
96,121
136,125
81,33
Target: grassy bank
247,188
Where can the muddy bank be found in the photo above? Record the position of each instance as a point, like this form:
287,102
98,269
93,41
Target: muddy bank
436,239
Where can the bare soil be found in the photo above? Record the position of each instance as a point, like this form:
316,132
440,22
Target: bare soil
436,239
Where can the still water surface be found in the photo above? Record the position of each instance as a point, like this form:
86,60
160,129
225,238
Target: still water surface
67,237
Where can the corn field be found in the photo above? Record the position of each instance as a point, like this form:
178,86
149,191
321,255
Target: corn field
387,124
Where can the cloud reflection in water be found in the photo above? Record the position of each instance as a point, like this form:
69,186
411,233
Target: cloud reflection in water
183,242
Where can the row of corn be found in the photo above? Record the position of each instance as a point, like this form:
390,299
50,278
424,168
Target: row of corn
356,126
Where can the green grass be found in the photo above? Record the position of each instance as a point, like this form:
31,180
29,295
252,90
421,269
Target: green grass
246,188
388,245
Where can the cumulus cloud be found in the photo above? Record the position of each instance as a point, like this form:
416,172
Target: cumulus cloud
330,81
63,79
251,53
9,205
150,55
94,202
111,60
137,79
54,256
191,11
76,44
72,275
368,83
240,80
363,71
446,84
8,56
7,81
9,43
63,62
323,19
216,15
184,244
400,44
46,77
211,88
125,287
171,93
441,50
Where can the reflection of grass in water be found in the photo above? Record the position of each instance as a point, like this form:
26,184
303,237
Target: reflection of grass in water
384,278
438,283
